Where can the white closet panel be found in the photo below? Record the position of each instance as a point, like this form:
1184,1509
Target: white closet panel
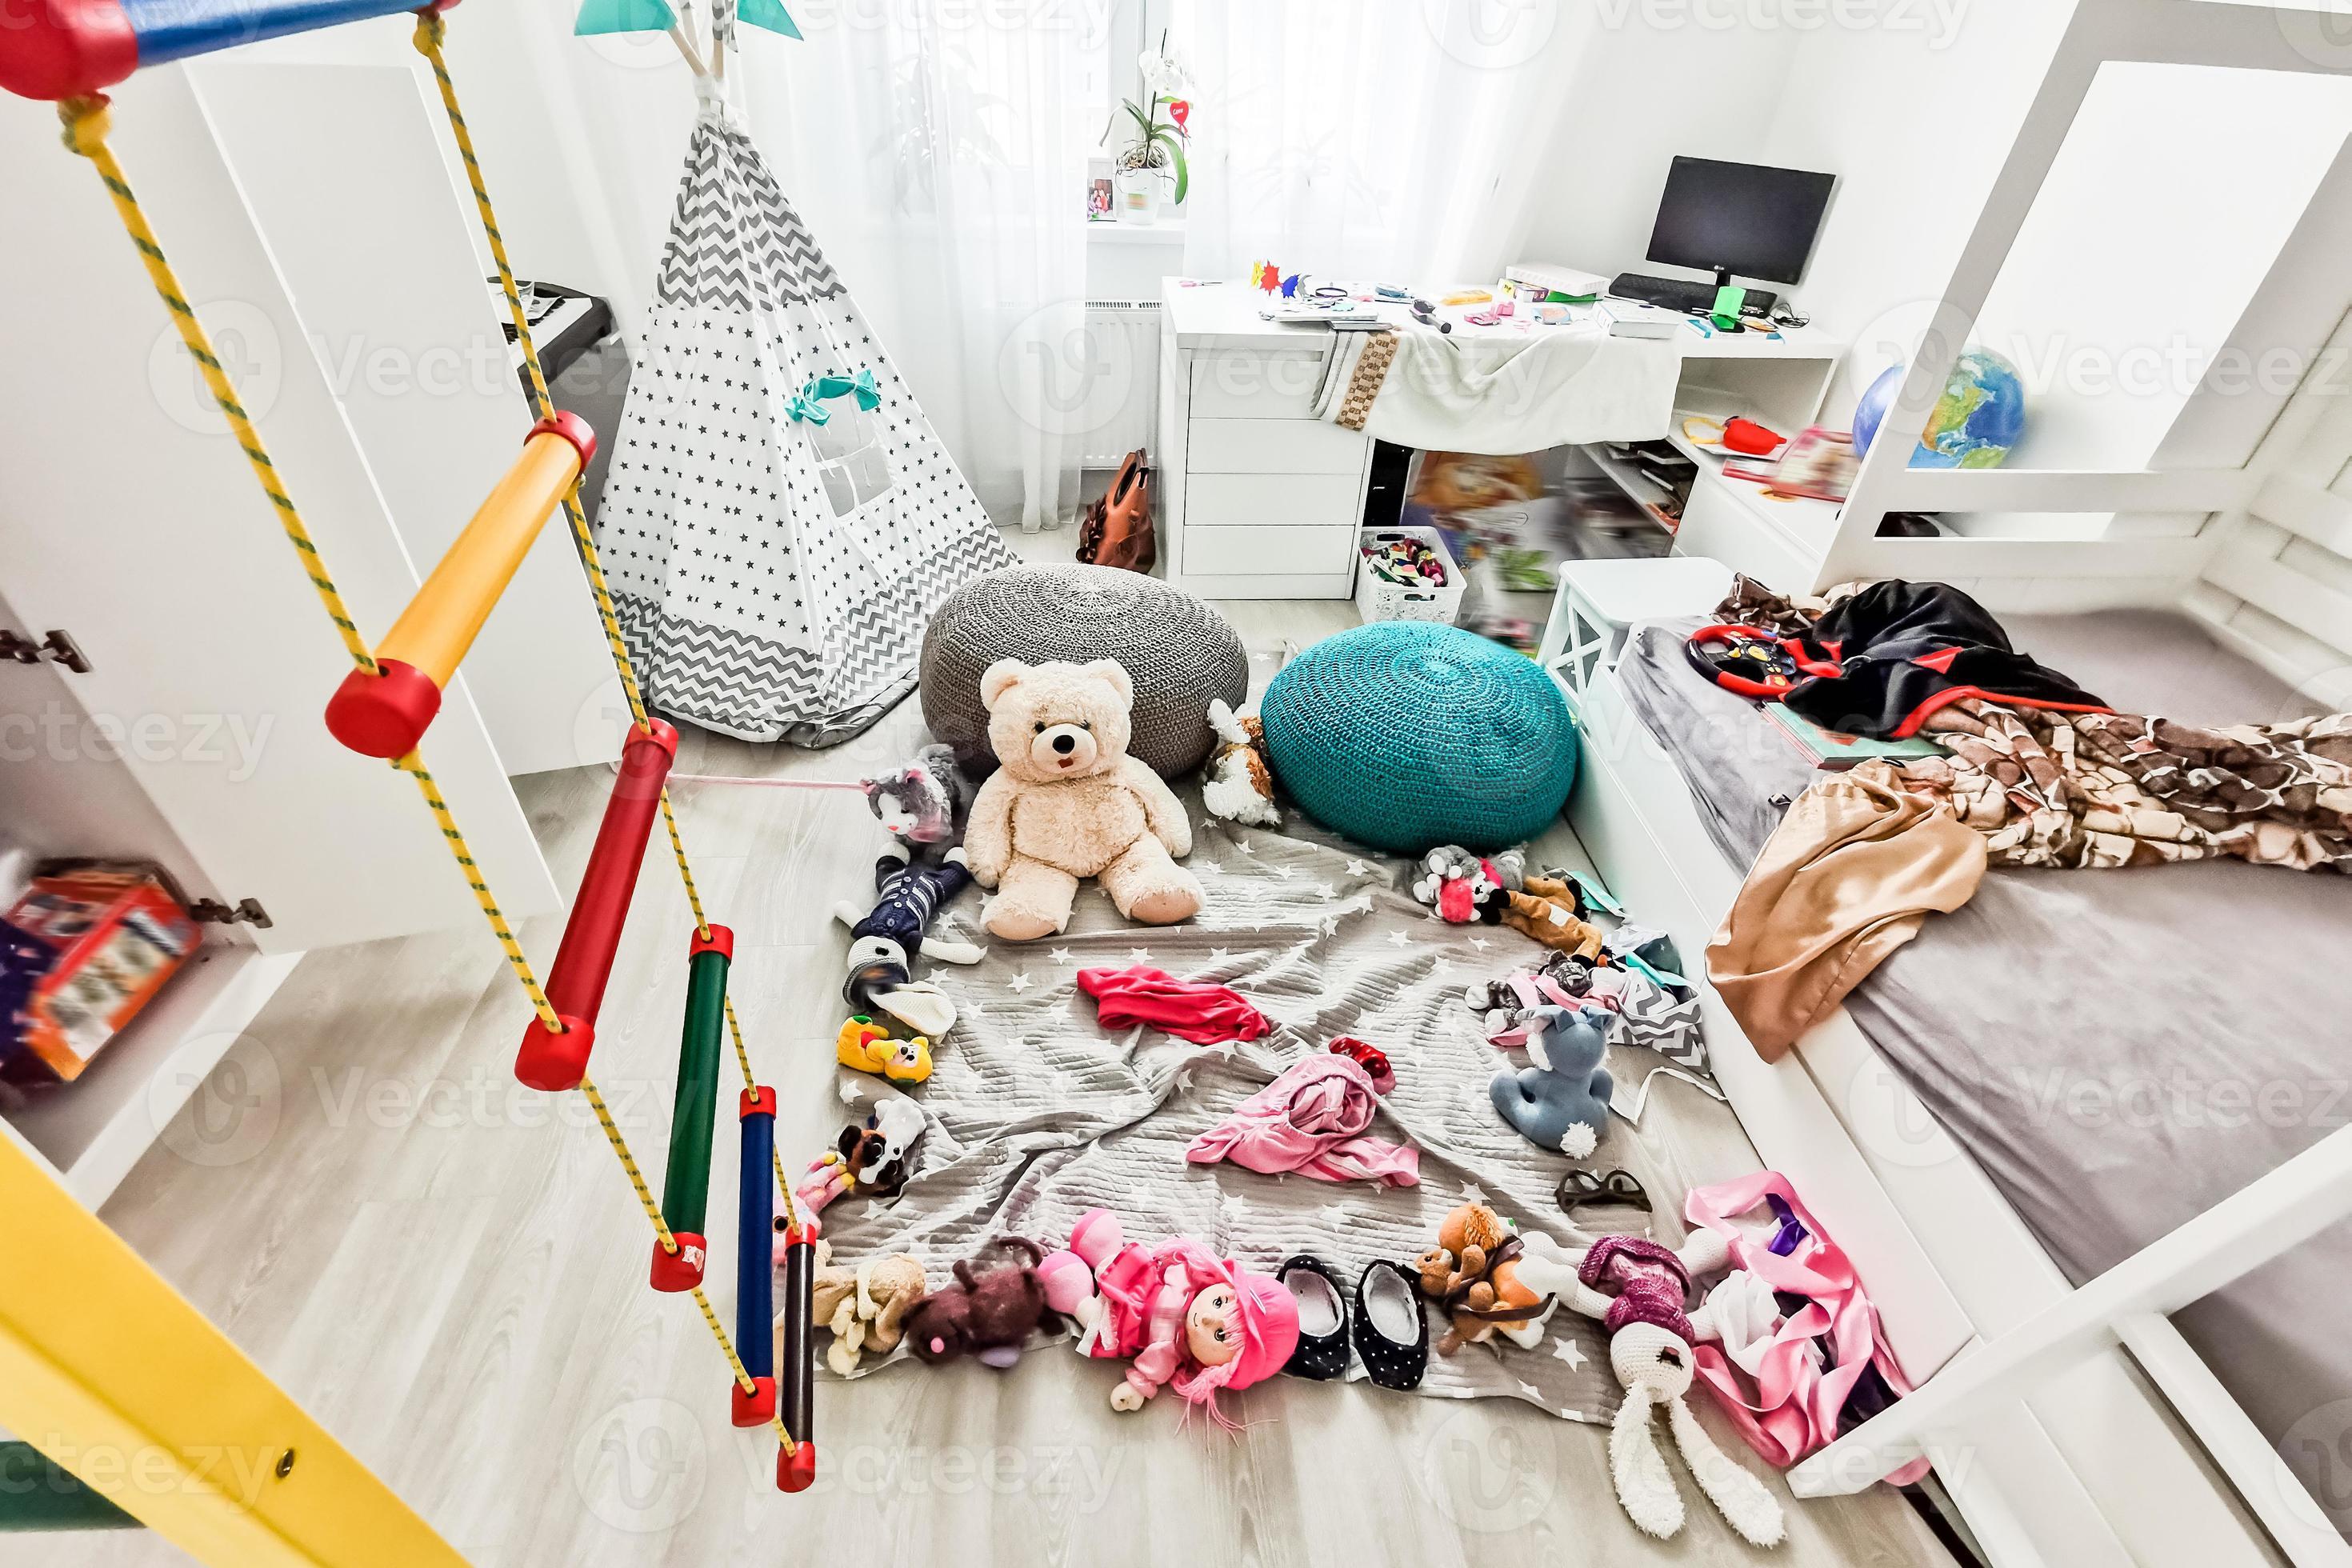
129,518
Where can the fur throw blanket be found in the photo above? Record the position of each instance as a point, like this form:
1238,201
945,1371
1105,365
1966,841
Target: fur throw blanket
2080,790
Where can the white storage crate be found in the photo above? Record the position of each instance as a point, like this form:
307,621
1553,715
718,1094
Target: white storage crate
1380,600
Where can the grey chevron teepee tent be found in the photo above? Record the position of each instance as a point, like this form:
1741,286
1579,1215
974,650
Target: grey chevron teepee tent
780,520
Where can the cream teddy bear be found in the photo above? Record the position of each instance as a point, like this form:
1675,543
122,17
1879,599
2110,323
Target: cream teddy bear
1069,803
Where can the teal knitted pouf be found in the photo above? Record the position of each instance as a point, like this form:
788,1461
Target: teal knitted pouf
1405,735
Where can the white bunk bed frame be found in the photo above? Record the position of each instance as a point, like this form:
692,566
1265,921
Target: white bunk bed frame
2170,520
2072,1427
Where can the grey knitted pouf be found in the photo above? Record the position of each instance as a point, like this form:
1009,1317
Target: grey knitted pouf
1180,652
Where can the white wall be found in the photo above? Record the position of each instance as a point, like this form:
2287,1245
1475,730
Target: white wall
2173,196
1645,87
1914,122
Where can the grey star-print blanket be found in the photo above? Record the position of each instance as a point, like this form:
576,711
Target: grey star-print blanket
1039,1114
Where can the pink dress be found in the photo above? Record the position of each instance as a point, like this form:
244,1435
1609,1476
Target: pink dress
1314,1119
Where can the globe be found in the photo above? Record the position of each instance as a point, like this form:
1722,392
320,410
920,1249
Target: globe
1975,425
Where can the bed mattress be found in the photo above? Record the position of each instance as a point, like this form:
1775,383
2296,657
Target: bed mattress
2119,1049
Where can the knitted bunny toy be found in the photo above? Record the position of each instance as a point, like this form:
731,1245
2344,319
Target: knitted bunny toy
1636,1288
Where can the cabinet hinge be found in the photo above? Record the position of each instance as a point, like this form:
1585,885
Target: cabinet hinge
248,912
58,646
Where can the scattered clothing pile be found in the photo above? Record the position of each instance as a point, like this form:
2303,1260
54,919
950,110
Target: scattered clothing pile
2101,790
1884,657
2040,773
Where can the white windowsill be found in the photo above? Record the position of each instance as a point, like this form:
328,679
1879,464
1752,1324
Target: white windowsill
1165,232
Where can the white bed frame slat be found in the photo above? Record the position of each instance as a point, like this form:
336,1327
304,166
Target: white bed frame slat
2263,581
2241,1451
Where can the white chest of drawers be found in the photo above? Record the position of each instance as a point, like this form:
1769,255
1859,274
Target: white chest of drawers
1258,498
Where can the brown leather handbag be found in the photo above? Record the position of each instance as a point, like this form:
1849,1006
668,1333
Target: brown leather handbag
1118,527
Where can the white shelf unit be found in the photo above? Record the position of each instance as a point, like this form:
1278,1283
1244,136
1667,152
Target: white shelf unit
93,1131
1777,383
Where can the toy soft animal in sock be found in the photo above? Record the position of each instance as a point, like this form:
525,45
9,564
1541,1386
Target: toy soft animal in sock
1562,1101
1181,1316
885,940
1237,784
1637,1288
1460,886
865,1307
1478,1275
1545,909
870,1157
905,898
989,1312
1563,976
926,803
1070,803
866,1046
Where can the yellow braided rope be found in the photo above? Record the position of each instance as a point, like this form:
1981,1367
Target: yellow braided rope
414,766
86,124
628,1162
431,30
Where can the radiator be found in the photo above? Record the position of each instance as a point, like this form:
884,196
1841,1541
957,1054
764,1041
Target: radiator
1121,379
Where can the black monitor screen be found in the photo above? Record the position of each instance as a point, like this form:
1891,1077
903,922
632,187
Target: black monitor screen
1742,219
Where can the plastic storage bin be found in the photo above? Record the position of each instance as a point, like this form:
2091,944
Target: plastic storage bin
1377,599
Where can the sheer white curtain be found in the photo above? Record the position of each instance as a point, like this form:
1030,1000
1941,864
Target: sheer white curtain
1390,140
938,152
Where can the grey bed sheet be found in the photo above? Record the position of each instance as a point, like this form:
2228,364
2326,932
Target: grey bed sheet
2119,1050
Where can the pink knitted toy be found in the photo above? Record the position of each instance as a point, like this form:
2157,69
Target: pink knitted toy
1176,1313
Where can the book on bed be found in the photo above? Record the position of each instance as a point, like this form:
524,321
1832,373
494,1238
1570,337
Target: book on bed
1836,751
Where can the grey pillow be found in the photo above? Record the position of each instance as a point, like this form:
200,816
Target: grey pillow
1179,651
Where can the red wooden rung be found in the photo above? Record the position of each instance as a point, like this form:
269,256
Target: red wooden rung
551,1060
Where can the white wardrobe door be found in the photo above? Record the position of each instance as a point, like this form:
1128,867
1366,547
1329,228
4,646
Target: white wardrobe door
367,231
128,517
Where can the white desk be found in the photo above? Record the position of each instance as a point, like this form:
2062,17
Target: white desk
1259,500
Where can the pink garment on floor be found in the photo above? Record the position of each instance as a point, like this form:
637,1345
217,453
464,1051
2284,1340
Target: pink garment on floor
1205,1015
1788,1405
1312,1120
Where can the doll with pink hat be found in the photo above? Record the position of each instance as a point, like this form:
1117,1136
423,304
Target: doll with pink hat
1178,1314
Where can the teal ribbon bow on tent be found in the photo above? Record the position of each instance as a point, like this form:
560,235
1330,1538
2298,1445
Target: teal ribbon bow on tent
808,403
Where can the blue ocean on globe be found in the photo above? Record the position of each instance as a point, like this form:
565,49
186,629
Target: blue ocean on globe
1976,423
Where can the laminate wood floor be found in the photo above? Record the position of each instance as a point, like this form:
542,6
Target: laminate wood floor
450,1272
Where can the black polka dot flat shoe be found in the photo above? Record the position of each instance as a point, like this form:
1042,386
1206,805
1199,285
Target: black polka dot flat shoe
1392,1328
1322,1352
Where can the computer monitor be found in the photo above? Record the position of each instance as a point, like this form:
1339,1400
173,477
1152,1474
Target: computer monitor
1739,219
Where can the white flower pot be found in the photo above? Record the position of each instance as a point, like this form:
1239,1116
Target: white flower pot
1135,194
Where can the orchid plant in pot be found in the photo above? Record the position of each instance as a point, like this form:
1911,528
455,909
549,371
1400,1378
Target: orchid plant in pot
1156,150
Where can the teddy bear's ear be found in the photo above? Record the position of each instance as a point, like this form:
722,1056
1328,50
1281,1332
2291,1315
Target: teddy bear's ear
999,679
1111,671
